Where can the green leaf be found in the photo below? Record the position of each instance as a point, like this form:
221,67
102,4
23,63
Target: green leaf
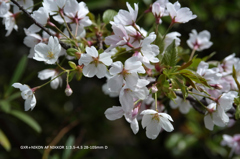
235,78
170,55
209,56
17,73
188,80
71,75
178,82
237,103
185,65
108,15
4,141
27,119
194,76
67,152
13,96
5,106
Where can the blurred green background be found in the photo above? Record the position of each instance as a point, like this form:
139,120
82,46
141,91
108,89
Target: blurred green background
79,119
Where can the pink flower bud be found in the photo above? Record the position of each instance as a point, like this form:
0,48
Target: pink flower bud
68,90
154,89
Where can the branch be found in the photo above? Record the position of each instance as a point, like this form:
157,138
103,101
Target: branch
59,137
193,103
65,46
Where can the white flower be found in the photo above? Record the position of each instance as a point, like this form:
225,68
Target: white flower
94,64
178,14
50,73
76,13
211,75
10,23
232,142
128,72
116,112
119,38
41,16
127,94
170,37
199,41
48,53
217,111
127,18
159,10
154,121
184,105
148,50
4,8
53,6
27,95
228,63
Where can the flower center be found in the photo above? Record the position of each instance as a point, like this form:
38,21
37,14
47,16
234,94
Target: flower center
155,117
50,55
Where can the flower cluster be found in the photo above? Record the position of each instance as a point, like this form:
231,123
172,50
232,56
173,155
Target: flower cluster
152,77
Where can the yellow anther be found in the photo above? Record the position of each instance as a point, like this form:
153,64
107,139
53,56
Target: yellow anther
50,55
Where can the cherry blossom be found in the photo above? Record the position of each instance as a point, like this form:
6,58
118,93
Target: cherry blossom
216,114
4,7
48,53
50,73
154,121
27,94
95,64
178,14
127,18
127,72
53,6
170,37
119,38
159,10
232,142
199,41
76,13
41,16
10,22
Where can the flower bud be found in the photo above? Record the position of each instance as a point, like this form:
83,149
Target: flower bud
68,90
71,51
154,89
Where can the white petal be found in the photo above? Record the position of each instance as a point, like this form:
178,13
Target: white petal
153,129
115,83
89,70
208,122
45,74
114,113
134,126
92,51
116,68
105,58
166,124
101,70
147,118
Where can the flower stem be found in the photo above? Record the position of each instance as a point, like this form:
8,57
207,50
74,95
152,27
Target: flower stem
192,54
52,79
156,101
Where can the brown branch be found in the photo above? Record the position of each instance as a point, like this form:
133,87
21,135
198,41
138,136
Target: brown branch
59,137
65,46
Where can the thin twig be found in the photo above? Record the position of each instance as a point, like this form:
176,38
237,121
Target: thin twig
59,137
65,46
